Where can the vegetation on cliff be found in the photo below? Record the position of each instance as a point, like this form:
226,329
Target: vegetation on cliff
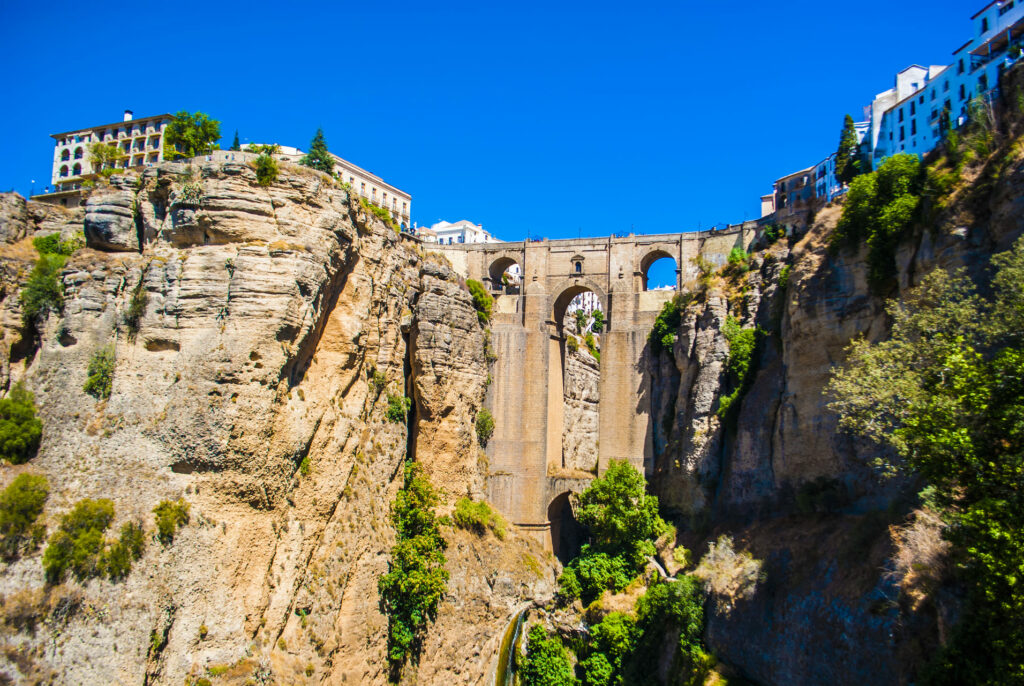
318,158
20,429
482,300
416,578
21,503
190,134
945,397
79,545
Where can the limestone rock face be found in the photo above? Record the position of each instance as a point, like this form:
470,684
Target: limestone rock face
249,387
581,392
110,217
14,221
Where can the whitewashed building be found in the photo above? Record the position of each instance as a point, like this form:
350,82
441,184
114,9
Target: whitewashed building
464,231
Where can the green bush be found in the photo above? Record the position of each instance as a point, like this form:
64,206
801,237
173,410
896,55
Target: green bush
737,256
136,306
598,324
662,610
784,278
479,517
117,559
78,545
398,408
379,212
666,325
484,426
739,366
99,381
21,503
416,579
591,344
482,300
170,515
612,642
591,573
880,209
190,134
20,429
43,292
772,233
572,343
52,244
546,662
266,170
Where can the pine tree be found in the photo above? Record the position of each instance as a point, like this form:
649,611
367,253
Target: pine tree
847,166
236,145
318,157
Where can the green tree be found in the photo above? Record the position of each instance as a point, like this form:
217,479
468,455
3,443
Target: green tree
847,164
99,380
621,516
482,300
20,429
43,292
104,155
598,325
21,503
416,577
945,396
236,144
266,169
190,134
318,158
666,608
546,662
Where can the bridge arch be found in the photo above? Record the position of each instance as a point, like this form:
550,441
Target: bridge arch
564,293
567,534
654,254
502,263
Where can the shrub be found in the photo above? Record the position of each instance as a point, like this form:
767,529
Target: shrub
136,306
772,233
52,244
21,503
379,212
266,170
484,425
737,256
572,343
784,278
170,514
546,662
416,579
304,467
666,325
613,640
591,344
880,208
117,559
99,381
592,573
398,408
482,300
20,429
478,517
78,544
728,574
739,366
597,326
43,292
582,319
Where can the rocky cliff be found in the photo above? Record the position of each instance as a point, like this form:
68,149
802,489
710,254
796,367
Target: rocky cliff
779,476
275,323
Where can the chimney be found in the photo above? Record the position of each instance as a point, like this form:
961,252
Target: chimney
127,115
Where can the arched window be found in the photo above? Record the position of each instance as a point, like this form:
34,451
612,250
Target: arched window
77,169
78,153
65,155
64,171
579,267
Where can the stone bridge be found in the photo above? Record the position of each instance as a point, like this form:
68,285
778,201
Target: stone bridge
528,481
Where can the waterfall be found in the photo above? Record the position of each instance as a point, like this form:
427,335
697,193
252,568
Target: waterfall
504,673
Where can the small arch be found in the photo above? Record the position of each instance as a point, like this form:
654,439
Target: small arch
568,290
78,153
64,171
77,169
506,274
659,269
567,534
65,155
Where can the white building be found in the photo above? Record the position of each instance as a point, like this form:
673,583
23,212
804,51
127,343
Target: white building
140,141
463,231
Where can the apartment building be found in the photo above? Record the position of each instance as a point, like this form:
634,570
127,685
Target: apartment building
140,141
907,118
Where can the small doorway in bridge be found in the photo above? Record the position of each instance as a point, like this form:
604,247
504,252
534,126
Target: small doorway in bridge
506,276
660,272
567,535
582,326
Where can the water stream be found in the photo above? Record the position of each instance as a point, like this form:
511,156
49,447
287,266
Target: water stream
504,674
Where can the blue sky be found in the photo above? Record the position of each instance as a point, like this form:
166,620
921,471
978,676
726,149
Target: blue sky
542,119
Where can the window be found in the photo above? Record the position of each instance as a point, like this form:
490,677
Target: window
945,86
913,108
362,188
933,95
77,169
984,24
960,66
64,170
901,114
913,127
579,267
963,92
983,83
78,153
921,100
902,136
66,155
